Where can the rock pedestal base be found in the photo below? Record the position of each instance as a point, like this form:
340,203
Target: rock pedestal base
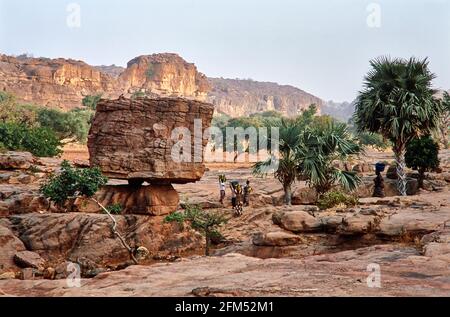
154,200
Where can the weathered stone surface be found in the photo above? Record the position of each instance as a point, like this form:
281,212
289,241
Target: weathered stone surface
299,221
304,196
277,238
15,160
9,245
153,200
87,239
405,272
29,259
132,139
21,199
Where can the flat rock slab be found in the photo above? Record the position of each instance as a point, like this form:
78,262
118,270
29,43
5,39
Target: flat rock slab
29,259
132,139
404,272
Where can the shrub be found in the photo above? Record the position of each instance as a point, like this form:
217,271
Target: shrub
115,209
335,198
39,141
422,155
91,101
207,223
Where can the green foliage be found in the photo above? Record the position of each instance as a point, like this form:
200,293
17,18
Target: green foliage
207,223
375,140
335,198
308,152
177,217
138,94
398,101
422,154
39,141
90,102
115,209
72,182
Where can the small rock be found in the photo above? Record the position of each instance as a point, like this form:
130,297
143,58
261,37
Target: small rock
277,238
28,259
300,221
16,160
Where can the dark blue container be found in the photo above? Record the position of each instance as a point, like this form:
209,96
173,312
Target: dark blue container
379,167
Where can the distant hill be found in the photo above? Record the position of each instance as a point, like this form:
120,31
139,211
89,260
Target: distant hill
238,97
339,110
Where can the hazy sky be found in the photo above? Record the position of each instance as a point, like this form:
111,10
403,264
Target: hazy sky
321,46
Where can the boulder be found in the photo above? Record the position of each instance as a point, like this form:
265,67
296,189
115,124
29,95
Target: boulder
29,259
87,239
16,160
133,139
299,221
152,200
304,196
9,245
277,238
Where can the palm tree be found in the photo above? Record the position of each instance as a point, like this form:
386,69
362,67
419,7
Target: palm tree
322,145
288,170
308,152
445,120
398,102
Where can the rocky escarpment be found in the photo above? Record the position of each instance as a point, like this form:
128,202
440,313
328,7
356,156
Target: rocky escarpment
64,82
236,97
53,82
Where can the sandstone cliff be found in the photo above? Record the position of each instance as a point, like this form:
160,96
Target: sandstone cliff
237,97
52,82
63,83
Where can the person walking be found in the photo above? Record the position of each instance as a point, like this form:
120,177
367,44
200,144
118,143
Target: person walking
247,190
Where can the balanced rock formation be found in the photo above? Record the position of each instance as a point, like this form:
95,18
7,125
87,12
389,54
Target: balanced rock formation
132,139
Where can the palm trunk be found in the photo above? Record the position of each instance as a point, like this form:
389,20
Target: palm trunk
122,240
400,160
287,194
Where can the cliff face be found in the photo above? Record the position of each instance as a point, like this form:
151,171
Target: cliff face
164,75
63,83
237,97
52,82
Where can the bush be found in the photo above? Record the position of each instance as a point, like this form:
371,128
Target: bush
373,139
90,102
72,182
39,141
335,198
73,124
422,155
207,223
115,209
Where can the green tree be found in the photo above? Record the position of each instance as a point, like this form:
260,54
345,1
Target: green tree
207,223
308,153
320,147
71,183
39,141
91,101
398,102
422,155
289,161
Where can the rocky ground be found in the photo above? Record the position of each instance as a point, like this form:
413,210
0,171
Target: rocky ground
271,250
